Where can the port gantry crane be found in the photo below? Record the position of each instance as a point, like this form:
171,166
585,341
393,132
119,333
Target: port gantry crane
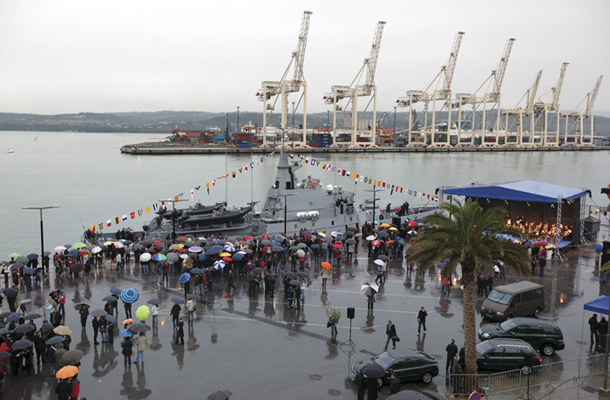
281,90
439,93
352,92
493,86
518,113
543,110
575,121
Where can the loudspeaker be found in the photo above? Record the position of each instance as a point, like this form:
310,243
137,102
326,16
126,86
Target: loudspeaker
606,253
351,312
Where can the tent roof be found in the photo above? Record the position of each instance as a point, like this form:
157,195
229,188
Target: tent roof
599,305
525,190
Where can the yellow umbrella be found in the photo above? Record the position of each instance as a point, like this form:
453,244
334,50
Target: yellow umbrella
384,225
225,254
393,228
67,372
62,330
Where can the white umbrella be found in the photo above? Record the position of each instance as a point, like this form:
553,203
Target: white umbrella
300,253
118,245
184,256
371,237
96,249
145,257
380,262
59,248
370,285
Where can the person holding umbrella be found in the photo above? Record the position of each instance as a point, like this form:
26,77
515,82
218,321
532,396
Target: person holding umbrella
180,331
95,323
84,313
175,313
127,350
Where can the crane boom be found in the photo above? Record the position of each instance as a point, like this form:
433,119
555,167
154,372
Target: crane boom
299,55
452,61
372,60
532,94
557,89
591,98
500,72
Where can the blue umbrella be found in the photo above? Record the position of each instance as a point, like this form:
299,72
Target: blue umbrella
110,319
238,256
201,257
116,291
217,247
55,340
229,248
598,247
153,301
211,252
29,271
67,246
248,251
184,277
129,295
32,256
126,333
177,300
219,264
196,271
13,317
315,246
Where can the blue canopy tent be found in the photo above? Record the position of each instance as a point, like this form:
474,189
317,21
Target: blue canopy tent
532,203
599,305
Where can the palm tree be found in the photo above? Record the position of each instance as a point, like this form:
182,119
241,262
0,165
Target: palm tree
468,237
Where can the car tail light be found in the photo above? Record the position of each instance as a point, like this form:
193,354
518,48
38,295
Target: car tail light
539,359
561,340
499,314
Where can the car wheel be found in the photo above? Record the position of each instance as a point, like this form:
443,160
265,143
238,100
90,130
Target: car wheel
547,349
427,377
536,313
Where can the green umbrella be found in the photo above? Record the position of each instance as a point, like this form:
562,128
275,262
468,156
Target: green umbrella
142,313
333,314
292,248
78,245
301,245
14,255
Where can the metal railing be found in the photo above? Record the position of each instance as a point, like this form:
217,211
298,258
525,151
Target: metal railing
540,377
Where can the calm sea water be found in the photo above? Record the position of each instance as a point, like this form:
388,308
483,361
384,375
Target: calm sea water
87,176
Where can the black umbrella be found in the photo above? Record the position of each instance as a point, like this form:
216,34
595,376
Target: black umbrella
15,267
14,317
373,370
369,292
223,394
22,344
5,314
55,340
98,312
257,270
383,257
22,260
25,328
71,357
302,275
109,298
32,316
110,319
76,268
192,296
46,327
116,291
295,283
153,301
32,256
139,327
177,300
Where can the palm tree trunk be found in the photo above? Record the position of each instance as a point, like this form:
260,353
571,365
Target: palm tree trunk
470,329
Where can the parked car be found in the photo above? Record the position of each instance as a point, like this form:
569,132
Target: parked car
544,336
514,300
407,365
416,395
506,354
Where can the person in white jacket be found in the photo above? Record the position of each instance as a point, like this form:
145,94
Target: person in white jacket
154,310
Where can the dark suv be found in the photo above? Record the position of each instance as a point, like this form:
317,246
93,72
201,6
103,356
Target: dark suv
506,354
544,336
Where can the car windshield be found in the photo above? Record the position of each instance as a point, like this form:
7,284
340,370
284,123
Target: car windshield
508,325
484,347
499,297
384,360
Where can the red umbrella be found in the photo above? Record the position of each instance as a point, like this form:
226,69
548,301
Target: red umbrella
375,243
541,243
391,241
412,223
182,251
249,238
158,242
227,258
181,239
243,243
337,246
326,265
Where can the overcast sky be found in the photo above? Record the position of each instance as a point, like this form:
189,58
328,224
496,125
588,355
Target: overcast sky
69,56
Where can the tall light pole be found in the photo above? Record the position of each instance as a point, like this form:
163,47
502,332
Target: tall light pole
394,130
41,226
375,191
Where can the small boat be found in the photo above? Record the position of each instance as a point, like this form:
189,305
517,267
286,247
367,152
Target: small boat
10,150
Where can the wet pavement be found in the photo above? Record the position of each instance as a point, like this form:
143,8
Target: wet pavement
259,349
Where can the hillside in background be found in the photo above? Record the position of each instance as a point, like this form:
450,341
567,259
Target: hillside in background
165,121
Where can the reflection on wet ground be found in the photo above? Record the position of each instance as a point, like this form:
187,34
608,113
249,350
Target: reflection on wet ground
259,349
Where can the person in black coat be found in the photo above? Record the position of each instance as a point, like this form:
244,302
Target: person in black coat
40,346
361,384
180,331
175,313
126,350
452,351
394,384
84,313
593,328
55,318
127,307
373,388
390,331
95,323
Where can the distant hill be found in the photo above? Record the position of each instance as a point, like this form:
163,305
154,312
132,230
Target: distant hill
165,121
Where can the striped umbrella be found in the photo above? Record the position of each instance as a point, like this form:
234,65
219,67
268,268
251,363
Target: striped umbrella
129,295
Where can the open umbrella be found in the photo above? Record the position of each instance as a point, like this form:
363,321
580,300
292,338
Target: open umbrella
380,262
78,245
351,241
127,321
326,265
173,257
371,237
126,333
29,271
142,313
177,300
71,357
62,330
76,268
109,298
129,295
79,306
110,319
22,344
153,301
295,283
192,296
98,312
15,255
219,264
32,256
158,257
333,314
11,291
55,340
13,317
541,243
25,328
96,249
26,301
302,275
196,271
373,370
46,327
67,372
223,394
257,270
139,327
367,285
5,314
598,247
145,257
184,277
32,316
116,291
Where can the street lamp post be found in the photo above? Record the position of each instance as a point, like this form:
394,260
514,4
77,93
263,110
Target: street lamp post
41,226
